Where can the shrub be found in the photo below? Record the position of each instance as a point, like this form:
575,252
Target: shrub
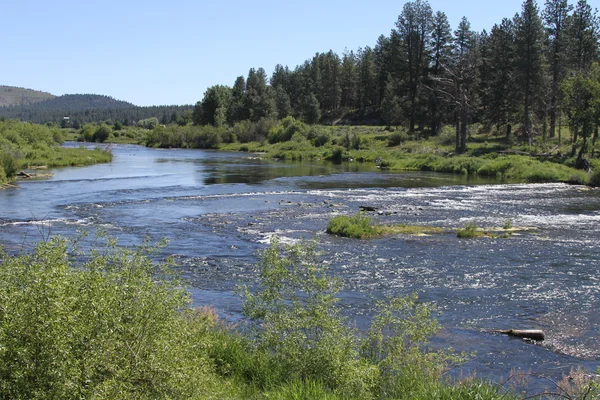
447,136
9,162
286,129
470,231
595,178
112,328
336,154
102,133
148,123
397,138
301,326
357,226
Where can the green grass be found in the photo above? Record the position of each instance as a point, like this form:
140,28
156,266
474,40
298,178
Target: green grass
360,226
470,231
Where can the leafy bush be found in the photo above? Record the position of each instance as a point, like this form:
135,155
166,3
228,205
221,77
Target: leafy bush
113,328
102,133
148,123
301,326
595,178
286,129
470,231
9,163
447,136
357,226
397,138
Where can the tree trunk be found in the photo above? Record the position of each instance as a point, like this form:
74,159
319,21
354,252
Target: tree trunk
533,334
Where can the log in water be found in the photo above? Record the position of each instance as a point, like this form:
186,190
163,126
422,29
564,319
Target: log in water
533,334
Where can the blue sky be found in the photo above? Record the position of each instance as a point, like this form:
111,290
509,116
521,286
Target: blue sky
169,52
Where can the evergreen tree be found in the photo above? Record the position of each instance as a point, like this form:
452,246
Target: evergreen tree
214,106
311,112
582,103
331,90
441,54
501,76
583,34
237,109
464,72
530,63
555,16
282,102
367,78
348,80
414,29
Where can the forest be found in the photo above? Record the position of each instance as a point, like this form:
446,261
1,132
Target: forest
74,110
529,75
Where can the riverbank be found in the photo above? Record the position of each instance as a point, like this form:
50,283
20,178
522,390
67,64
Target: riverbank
489,154
25,146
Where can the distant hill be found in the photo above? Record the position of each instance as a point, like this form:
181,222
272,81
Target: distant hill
16,96
83,108
80,102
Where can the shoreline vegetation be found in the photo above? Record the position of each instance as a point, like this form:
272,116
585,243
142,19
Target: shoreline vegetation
116,324
32,147
488,154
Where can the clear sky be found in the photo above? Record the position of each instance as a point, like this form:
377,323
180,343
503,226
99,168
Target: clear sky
168,52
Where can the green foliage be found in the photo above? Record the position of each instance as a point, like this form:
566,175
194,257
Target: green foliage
9,164
305,347
23,145
447,136
286,129
357,226
114,327
470,231
193,137
148,123
102,133
301,326
397,138
214,106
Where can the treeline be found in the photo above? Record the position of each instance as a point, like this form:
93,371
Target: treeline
528,71
86,108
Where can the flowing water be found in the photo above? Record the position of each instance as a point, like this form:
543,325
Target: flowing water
218,209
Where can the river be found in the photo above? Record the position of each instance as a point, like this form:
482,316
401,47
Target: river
218,209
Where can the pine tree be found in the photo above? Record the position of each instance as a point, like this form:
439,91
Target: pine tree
414,30
464,72
555,16
501,75
530,62
441,54
583,35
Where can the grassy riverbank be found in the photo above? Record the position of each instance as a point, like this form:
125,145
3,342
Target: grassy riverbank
29,146
489,153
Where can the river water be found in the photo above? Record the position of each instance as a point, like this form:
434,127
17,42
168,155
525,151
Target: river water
218,209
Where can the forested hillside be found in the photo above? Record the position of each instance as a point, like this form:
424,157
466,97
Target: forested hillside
84,108
16,96
525,75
